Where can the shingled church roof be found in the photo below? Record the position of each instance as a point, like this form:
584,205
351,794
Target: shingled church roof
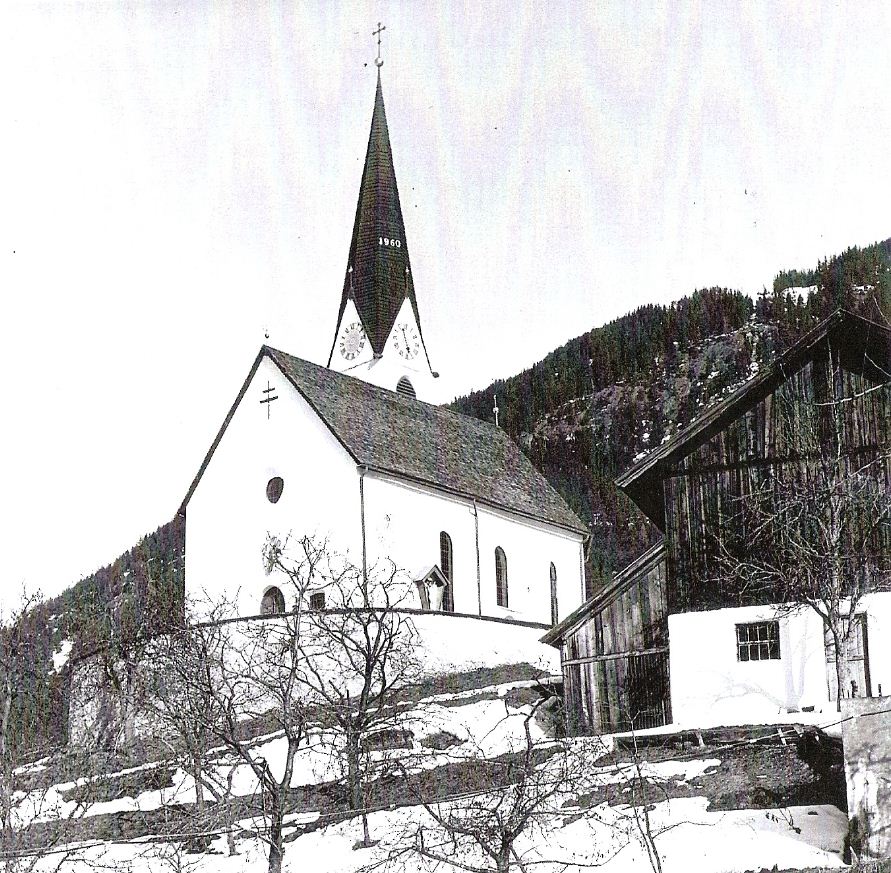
378,276
389,433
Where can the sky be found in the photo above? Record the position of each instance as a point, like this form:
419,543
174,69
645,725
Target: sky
177,181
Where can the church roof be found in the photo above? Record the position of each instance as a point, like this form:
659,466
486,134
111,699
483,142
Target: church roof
389,433
378,276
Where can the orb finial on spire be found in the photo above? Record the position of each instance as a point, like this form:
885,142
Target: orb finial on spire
379,61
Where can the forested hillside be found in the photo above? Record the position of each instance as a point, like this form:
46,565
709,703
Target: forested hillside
135,595
583,415
591,407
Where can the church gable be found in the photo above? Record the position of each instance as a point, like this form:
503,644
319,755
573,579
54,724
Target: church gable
274,468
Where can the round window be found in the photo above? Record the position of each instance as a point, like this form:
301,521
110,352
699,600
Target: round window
274,488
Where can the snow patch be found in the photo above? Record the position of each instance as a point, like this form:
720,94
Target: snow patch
60,658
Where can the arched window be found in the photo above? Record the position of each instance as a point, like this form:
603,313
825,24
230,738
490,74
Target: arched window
445,564
500,577
273,602
404,386
554,611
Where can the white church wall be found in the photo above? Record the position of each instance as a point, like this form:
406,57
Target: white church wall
454,644
404,521
529,548
229,515
709,685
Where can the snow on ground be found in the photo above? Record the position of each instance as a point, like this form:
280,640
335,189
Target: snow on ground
483,728
688,837
661,771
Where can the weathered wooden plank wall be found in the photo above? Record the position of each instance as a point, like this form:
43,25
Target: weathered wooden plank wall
616,661
779,437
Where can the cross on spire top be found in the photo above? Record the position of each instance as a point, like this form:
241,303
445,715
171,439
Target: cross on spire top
379,61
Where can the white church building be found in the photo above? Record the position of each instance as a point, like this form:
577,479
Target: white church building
351,454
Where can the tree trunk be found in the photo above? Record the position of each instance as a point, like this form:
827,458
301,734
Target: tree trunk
276,845
197,775
841,675
353,775
503,862
354,778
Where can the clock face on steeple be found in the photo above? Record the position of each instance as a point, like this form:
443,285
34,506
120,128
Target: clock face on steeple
406,340
352,341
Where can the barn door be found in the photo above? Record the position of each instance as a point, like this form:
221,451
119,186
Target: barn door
858,661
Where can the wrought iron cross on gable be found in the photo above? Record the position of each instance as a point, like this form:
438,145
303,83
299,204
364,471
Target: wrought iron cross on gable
268,398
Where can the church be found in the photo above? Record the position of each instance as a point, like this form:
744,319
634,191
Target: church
351,453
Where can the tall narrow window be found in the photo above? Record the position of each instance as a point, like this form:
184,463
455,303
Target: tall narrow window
554,611
445,564
500,577
273,602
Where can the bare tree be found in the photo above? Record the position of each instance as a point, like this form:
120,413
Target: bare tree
255,677
815,532
479,831
179,674
358,654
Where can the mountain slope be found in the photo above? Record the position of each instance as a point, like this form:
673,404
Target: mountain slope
587,410
583,414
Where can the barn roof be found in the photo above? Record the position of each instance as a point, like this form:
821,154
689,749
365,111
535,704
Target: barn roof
389,433
862,345
619,583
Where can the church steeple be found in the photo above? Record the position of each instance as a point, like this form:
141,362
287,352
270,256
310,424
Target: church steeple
378,279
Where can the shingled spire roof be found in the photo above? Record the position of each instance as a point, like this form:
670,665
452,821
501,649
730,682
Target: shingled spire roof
378,276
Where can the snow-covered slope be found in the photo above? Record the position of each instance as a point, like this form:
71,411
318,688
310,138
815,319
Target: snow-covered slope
475,724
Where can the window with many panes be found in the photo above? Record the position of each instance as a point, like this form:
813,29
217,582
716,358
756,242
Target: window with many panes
317,600
758,641
500,577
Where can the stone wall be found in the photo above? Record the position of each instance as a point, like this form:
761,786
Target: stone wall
866,734
108,701
105,708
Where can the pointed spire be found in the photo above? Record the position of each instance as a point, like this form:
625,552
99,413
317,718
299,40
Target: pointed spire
378,276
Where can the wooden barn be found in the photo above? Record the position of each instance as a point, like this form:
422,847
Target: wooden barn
717,622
